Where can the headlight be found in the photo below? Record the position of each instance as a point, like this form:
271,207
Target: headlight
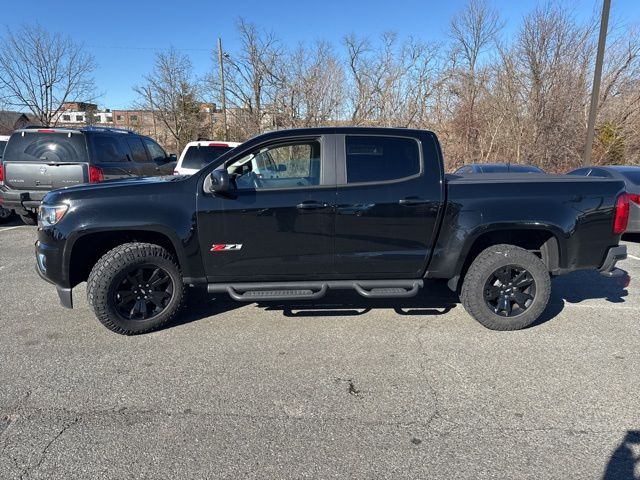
51,214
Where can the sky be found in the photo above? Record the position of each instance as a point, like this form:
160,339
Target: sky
124,36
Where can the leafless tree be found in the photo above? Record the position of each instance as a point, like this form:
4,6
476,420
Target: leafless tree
40,71
473,32
173,94
254,77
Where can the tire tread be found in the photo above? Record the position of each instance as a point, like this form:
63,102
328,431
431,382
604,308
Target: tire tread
113,261
476,276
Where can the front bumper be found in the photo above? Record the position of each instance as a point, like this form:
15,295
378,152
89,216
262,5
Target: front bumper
614,255
47,259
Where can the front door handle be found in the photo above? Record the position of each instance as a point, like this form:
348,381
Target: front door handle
312,205
412,201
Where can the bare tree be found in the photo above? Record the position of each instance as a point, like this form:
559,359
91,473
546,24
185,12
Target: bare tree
173,95
312,89
473,32
254,77
40,71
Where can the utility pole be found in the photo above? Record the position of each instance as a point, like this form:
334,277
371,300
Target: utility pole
223,97
597,74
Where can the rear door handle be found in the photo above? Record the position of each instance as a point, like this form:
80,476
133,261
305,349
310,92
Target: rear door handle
412,201
312,205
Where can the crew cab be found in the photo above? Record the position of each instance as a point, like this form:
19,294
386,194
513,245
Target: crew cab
368,209
37,160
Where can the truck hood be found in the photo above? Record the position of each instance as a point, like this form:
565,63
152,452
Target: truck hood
116,187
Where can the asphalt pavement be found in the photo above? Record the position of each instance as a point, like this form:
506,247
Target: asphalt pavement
344,388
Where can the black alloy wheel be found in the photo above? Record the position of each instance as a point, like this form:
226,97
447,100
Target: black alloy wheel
143,293
509,291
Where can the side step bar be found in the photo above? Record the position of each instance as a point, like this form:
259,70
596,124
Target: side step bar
254,292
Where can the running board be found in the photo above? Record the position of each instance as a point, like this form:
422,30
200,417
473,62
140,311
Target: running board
263,291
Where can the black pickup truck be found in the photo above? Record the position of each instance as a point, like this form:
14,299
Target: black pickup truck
293,214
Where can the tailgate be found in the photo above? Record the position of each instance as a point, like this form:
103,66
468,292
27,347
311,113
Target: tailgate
44,176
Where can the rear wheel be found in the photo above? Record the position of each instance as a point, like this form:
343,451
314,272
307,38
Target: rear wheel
29,218
506,288
135,288
5,215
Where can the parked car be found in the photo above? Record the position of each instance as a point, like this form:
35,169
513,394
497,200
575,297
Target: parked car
3,143
37,160
630,175
5,213
497,168
197,155
367,209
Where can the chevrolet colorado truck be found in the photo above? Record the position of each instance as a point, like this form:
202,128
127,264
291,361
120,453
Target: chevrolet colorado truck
292,214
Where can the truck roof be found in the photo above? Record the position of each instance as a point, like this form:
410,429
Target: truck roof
401,131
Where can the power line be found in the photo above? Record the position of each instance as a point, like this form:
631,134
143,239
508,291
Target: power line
119,47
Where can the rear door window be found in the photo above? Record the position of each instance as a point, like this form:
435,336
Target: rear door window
138,151
380,159
198,156
108,149
46,147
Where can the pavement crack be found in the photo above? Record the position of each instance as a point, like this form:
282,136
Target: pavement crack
351,387
43,454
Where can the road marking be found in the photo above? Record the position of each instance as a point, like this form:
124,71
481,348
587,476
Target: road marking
10,228
633,256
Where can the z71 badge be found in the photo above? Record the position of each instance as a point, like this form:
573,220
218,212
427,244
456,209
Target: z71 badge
225,247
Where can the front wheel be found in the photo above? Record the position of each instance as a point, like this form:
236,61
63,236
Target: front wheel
506,288
135,288
29,218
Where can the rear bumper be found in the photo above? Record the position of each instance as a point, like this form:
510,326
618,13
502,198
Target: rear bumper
614,255
22,201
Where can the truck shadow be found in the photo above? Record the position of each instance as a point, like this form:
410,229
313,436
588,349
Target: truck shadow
623,462
434,299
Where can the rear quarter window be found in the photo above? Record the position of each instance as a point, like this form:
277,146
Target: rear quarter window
46,147
380,159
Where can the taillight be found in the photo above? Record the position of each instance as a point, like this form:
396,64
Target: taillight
1,174
95,174
622,214
634,197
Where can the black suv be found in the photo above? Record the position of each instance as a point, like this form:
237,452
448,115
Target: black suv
37,160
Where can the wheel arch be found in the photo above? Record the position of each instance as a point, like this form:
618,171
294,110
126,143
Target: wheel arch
87,248
543,241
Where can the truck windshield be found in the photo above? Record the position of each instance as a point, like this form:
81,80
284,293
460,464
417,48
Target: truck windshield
46,147
197,157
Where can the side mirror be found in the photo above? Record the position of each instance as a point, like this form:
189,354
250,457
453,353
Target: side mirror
281,167
219,181
172,157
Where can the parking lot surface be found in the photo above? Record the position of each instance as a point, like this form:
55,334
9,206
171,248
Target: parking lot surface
339,389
